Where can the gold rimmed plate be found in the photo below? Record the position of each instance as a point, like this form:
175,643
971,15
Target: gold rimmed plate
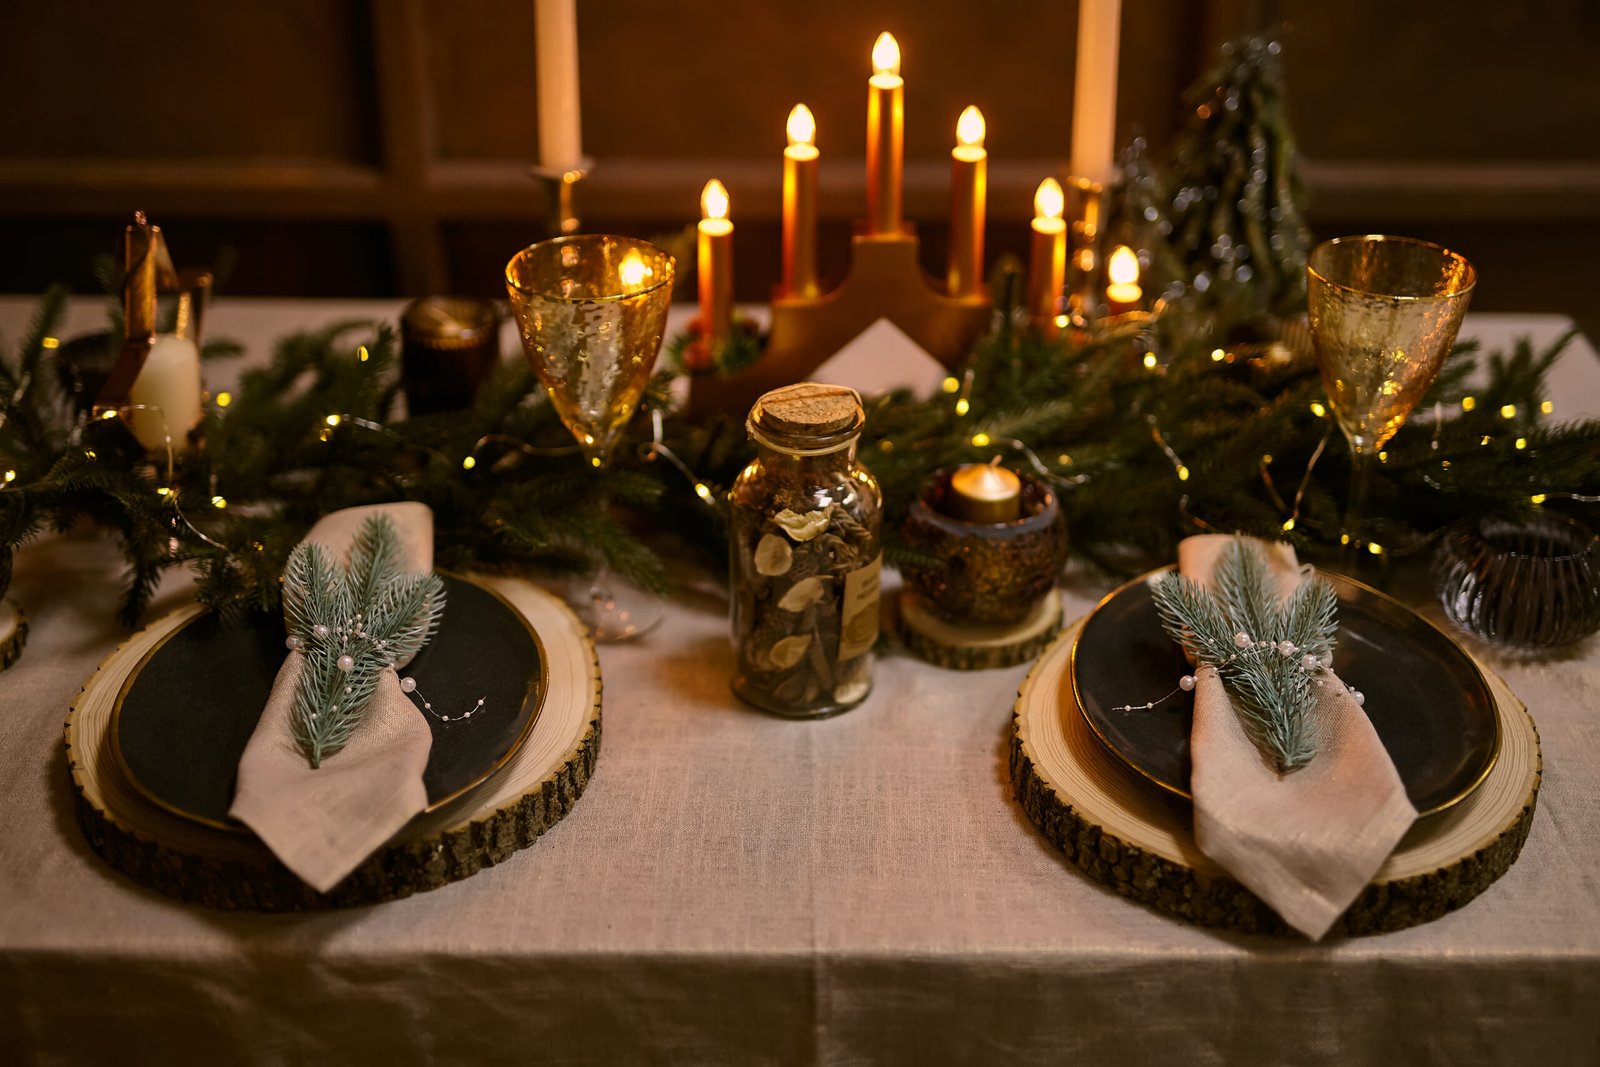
1425,696
186,711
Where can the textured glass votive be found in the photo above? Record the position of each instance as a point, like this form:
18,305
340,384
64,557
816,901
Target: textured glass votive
1524,585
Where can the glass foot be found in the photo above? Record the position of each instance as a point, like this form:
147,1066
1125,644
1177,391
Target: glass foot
615,611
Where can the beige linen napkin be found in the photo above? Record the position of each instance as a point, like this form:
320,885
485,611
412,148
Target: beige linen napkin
1305,842
322,823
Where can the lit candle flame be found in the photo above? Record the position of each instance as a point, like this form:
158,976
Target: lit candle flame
1123,267
970,128
802,128
714,200
886,55
633,270
1049,202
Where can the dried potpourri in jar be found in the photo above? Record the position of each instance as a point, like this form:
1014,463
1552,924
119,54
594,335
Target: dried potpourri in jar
805,556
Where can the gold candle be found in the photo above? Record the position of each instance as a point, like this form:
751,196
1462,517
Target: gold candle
1122,271
984,493
885,137
969,195
715,263
800,205
1047,269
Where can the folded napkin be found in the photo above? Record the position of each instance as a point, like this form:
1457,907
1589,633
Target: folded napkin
323,822
1306,842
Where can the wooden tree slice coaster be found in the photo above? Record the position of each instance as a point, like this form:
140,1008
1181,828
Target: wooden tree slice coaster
13,632
1139,841
975,648
234,871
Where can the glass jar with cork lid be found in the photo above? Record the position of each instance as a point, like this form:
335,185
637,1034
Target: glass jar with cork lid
805,556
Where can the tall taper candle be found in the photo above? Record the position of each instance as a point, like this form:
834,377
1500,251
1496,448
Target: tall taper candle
715,264
969,196
886,108
556,70
1094,91
800,205
1047,266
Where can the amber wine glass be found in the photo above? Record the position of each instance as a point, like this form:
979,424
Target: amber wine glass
1384,315
592,310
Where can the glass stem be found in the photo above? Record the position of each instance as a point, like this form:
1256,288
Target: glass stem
1355,513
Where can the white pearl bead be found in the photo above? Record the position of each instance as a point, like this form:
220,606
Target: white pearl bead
1186,683
294,644
345,663
408,685
320,630
1286,647
1360,697
1241,639
1309,662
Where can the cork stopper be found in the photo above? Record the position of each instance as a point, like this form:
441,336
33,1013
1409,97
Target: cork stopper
807,419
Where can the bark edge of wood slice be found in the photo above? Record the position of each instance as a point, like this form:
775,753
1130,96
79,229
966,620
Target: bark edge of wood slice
975,648
13,632
1139,841
234,872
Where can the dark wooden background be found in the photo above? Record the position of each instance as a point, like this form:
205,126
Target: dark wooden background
379,147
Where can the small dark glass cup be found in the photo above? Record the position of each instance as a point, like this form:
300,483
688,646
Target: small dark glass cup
1521,585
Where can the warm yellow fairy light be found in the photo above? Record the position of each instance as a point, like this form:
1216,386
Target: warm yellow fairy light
324,434
1064,459
362,354
594,461
88,453
50,342
11,476
468,463
1123,266
885,445
1288,524
1150,360
963,406
801,127
109,413
1183,473
1049,202
1547,407
218,502
1537,498
703,491
332,420
1218,355
886,55
1266,457
224,398
1383,457
1062,322
1344,539
1522,442
1375,548
1317,409
970,128
980,440
1484,440
950,385
162,490
1508,411
714,200
1468,403
633,270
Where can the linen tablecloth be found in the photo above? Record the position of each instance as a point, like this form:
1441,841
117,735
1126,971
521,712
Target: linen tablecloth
735,888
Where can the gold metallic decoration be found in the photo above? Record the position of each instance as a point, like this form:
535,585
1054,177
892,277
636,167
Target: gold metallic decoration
562,187
1047,260
1084,209
800,205
886,107
715,268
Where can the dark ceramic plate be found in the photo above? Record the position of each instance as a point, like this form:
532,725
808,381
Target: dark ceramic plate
1425,696
188,709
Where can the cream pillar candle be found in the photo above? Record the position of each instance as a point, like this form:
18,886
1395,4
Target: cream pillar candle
556,70
1094,93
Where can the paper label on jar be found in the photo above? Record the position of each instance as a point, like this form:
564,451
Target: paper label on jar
858,619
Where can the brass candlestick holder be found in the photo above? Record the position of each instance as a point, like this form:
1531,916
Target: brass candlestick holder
886,281
1086,240
147,273
562,209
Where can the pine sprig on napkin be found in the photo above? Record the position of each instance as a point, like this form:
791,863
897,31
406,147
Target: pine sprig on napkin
1268,652
352,623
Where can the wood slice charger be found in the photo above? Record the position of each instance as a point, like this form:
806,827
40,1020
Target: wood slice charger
234,871
1139,841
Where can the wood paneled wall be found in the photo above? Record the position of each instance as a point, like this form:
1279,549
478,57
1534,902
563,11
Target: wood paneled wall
365,147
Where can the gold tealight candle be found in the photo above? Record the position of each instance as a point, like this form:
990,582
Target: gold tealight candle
885,137
1122,271
800,205
1047,266
715,264
969,193
984,493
